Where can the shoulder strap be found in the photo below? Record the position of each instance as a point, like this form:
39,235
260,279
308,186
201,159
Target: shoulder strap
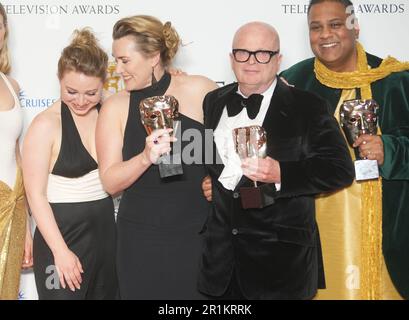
9,86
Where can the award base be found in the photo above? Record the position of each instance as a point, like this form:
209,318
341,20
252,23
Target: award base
366,170
257,197
170,165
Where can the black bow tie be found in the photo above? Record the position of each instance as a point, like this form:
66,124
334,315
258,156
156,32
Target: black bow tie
238,102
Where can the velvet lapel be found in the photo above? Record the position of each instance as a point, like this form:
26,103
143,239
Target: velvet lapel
217,105
213,113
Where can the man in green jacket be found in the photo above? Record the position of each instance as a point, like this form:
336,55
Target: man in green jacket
365,227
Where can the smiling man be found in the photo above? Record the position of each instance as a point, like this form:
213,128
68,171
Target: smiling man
365,225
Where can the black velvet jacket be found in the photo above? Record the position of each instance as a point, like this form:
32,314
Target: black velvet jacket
275,251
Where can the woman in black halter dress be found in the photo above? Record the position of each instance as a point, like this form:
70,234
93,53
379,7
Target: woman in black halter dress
159,219
74,243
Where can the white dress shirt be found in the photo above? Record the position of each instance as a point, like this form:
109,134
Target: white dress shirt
223,138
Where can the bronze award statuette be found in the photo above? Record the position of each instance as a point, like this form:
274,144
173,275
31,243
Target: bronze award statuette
358,117
251,142
161,112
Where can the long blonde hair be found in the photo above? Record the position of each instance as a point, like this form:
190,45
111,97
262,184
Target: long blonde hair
151,36
5,65
84,55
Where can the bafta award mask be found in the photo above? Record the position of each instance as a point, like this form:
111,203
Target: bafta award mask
250,142
161,112
158,112
359,117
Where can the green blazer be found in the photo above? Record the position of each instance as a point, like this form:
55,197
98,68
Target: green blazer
392,94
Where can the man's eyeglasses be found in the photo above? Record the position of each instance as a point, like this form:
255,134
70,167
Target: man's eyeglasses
262,56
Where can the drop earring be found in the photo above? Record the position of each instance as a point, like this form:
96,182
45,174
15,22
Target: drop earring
153,76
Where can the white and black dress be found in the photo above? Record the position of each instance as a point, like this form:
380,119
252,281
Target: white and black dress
84,213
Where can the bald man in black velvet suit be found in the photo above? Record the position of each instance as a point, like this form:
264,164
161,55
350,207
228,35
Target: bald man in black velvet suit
272,252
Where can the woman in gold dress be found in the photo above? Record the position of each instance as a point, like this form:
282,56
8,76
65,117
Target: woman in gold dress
15,236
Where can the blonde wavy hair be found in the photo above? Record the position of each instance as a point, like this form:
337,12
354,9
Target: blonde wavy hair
5,65
84,55
151,36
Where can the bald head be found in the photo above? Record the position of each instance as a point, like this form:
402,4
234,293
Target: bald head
255,57
257,29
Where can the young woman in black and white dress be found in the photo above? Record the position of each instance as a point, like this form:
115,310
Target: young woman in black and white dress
74,243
